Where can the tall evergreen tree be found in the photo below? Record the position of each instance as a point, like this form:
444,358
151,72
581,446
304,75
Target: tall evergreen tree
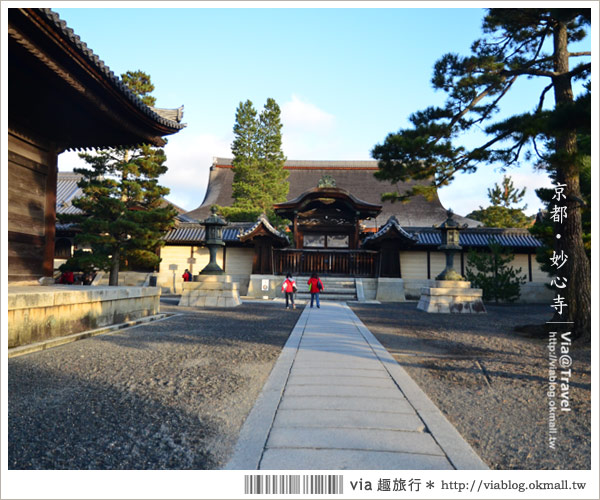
501,213
271,157
530,43
259,178
123,214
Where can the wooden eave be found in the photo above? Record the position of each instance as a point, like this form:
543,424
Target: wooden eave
261,229
73,101
290,208
391,231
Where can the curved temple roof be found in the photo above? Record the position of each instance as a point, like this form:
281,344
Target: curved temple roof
356,177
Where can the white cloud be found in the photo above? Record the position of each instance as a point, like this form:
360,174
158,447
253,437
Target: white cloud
469,191
189,158
300,115
308,131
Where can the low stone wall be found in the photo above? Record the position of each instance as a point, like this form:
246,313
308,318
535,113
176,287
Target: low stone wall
210,291
272,284
390,290
532,292
38,313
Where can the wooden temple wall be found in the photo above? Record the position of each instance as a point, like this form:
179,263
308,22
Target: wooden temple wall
31,210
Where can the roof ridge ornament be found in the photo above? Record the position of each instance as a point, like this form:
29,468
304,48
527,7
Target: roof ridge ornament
326,181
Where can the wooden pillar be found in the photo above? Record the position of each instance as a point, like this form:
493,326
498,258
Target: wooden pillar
428,265
50,215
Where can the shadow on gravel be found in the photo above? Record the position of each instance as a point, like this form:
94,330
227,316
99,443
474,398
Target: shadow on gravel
169,394
213,326
60,421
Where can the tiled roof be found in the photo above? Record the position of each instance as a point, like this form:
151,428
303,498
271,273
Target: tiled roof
81,47
480,237
355,177
262,220
67,191
314,164
190,233
390,225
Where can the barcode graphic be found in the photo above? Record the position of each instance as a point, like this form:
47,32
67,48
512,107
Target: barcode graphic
293,484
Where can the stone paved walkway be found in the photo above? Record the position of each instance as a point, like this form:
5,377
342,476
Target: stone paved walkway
336,399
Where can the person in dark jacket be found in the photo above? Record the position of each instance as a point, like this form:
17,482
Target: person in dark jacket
315,286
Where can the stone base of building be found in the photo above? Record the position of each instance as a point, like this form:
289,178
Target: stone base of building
390,290
210,291
451,297
40,313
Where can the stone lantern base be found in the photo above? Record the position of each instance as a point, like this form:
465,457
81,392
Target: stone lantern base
210,291
451,297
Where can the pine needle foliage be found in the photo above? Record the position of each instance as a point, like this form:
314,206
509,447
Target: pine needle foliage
123,214
491,272
259,177
517,44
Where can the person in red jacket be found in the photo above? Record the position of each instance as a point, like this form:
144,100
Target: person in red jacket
187,276
289,287
315,286
67,278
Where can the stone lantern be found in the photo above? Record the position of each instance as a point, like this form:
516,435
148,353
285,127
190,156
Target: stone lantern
213,228
450,292
450,244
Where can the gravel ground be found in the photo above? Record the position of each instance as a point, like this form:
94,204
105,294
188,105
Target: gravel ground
172,394
491,383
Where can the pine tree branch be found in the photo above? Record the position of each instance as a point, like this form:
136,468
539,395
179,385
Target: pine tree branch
542,97
529,71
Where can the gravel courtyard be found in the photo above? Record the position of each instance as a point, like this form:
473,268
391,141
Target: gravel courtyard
172,394
489,382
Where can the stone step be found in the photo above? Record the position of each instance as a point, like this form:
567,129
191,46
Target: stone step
331,296
329,289
338,297
345,281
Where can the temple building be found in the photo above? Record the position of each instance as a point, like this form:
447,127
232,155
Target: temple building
62,97
339,228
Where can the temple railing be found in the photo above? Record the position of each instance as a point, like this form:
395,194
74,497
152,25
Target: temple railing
326,262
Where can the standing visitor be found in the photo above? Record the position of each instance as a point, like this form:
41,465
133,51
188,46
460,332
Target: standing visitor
315,287
187,276
289,288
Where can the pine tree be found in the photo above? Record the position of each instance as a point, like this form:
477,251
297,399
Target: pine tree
271,157
501,213
518,43
246,186
490,272
506,195
123,214
259,178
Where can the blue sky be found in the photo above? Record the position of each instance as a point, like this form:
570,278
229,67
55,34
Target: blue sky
344,78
